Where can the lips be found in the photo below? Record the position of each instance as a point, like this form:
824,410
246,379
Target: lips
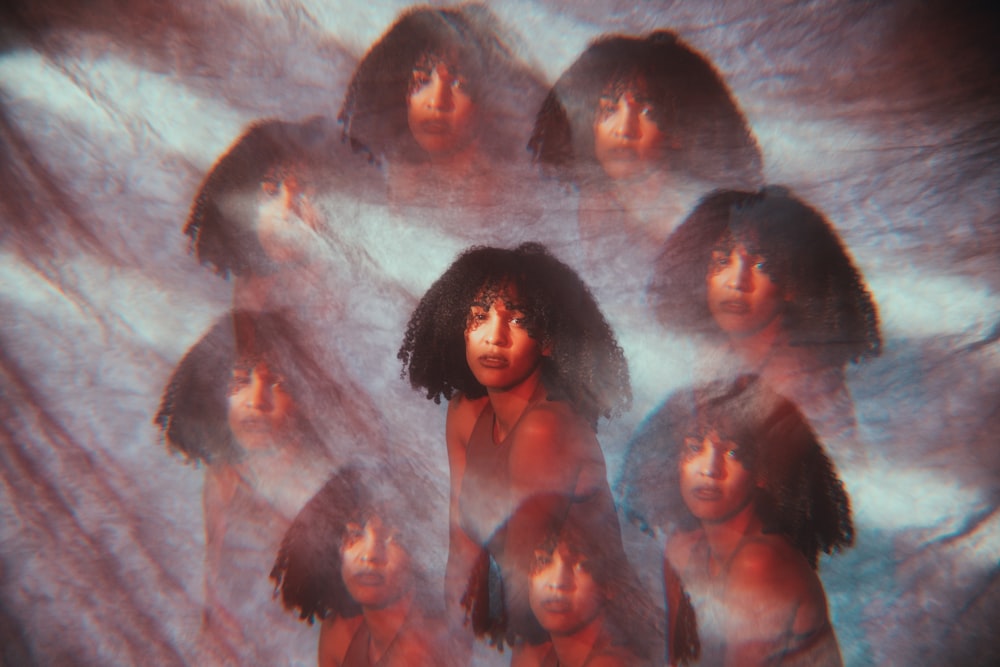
436,127
370,579
556,605
734,307
256,425
493,361
707,493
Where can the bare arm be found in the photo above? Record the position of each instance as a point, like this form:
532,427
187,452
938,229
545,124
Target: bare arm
779,611
462,550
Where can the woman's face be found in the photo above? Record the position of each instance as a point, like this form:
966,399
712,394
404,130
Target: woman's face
260,409
440,110
714,483
375,566
287,220
564,596
628,143
498,348
742,297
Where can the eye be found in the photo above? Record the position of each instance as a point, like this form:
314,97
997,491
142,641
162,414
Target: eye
542,559
239,380
719,259
693,445
606,107
353,533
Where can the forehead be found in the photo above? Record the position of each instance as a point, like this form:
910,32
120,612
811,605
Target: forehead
627,83
502,291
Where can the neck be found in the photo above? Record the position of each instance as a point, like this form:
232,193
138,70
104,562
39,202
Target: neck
384,624
510,404
724,537
457,163
572,650
655,201
755,348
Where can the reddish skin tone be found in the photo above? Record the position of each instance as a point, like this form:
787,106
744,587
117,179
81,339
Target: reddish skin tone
553,451
772,600
714,484
744,300
568,604
377,573
441,113
627,142
260,410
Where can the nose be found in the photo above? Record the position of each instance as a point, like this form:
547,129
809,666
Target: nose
372,547
495,331
261,396
560,576
738,274
627,121
440,95
713,465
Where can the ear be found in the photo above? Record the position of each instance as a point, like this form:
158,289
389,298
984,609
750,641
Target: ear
546,349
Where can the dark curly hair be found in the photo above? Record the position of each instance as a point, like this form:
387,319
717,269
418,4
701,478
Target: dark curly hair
801,497
691,104
221,224
374,112
194,408
831,311
307,570
586,366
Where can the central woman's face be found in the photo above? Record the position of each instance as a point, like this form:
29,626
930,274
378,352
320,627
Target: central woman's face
715,485
375,566
440,110
260,408
564,596
628,143
742,297
498,348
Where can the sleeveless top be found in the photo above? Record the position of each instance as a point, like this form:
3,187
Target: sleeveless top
485,499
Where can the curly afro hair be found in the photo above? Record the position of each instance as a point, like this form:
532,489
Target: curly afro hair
307,570
586,367
194,408
830,311
469,37
221,224
801,496
708,135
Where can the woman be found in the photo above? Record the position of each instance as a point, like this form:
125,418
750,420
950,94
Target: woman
747,497
257,215
643,126
766,274
516,343
248,401
584,604
353,558
437,100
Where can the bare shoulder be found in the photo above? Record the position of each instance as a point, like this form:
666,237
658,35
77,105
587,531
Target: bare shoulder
770,568
553,424
335,637
679,547
462,415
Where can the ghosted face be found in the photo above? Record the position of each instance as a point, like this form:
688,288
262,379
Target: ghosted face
564,596
287,220
628,143
375,566
440,110
260,409
742,297
714,483
498,348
